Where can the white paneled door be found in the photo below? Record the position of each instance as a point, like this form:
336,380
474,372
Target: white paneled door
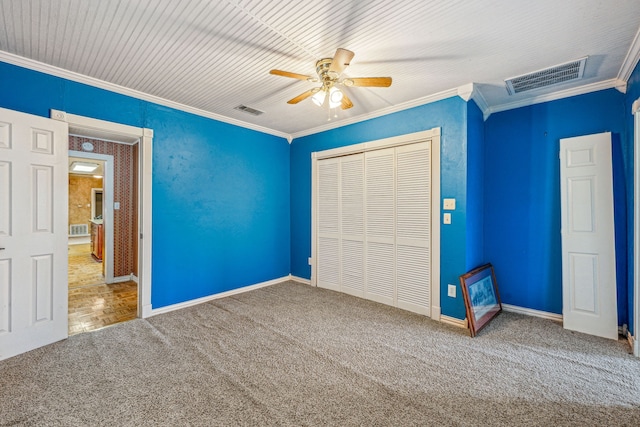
33,232
588,248
374,225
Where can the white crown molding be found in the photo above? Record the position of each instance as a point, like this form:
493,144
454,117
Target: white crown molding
383,112
479,99
631,60
465,91
91,81
580,90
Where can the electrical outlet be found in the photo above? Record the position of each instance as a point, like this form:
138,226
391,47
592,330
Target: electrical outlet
309,260
446,219
449,204
452,291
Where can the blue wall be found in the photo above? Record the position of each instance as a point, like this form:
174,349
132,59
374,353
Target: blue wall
232,207
633,93
451,116
522,192
475,187
220,192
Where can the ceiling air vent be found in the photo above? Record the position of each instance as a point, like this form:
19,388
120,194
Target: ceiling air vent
562,73
249,110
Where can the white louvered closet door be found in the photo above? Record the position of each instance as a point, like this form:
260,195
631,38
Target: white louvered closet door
380,226
413,218
328,224
352,223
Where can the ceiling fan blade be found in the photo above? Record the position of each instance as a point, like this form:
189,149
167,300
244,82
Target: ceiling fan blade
302,96
341,60
292,75
368,81
346,102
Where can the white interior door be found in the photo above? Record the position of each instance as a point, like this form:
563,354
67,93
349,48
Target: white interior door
33,232
588,247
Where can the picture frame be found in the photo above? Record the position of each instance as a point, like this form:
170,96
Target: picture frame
481,297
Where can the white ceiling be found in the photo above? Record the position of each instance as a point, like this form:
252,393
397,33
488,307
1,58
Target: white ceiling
210,56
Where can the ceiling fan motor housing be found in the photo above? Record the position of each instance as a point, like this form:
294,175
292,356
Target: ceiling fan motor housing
322,68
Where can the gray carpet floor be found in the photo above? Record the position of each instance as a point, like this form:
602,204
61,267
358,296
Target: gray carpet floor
290,354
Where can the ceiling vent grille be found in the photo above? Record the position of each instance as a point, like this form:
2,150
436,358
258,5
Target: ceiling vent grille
562,73
248,110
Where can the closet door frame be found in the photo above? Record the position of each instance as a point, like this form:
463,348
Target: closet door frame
431,136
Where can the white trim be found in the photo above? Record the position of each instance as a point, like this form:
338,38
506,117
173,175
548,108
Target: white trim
121,279
382,112
531,312
378,144
432,136
636,226
635,107
619,83
631,60
134,278
197,301
633,343
81,78
460,323
299,280
145,208
107,209
580,90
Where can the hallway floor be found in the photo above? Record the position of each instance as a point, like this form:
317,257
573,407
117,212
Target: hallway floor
96,306
92,303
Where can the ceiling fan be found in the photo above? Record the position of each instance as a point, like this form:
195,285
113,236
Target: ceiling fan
329,71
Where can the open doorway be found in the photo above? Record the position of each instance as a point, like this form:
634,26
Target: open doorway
103,229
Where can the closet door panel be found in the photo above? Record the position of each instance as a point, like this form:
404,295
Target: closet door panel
328,210
352,223
413,216
380,225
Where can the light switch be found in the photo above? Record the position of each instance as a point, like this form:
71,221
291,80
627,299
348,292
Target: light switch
452,291
449,204
116,205
447,218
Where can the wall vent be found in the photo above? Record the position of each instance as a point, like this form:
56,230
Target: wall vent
248,110
79,230
562,73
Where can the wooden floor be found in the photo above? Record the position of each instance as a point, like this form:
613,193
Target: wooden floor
92,303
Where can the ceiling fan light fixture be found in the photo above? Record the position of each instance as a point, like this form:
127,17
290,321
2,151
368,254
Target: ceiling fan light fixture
335,97
83,167
318,98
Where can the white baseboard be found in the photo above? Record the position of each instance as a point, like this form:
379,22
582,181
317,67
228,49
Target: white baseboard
635,347
147,311
460,323
190,303
436,313
121,279
532,312
79,240
134,278
299,279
